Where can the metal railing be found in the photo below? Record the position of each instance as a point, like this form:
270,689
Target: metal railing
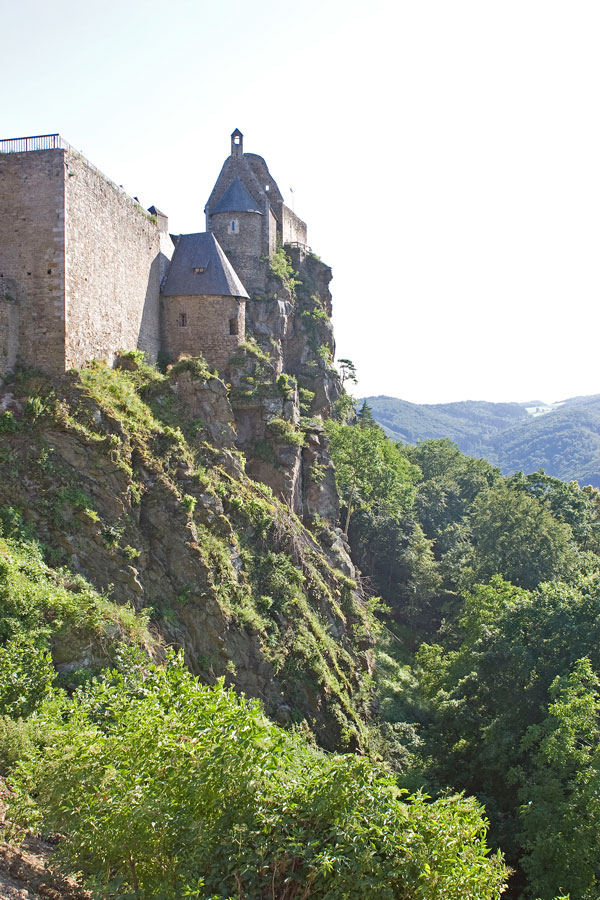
299,245
57,142
34,142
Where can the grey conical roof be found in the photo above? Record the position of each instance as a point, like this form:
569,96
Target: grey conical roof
237,198
201,251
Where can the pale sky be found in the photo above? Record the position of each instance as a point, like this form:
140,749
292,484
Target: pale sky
444,153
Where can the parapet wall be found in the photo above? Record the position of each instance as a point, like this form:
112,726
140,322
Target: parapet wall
32,260
293,229
112,284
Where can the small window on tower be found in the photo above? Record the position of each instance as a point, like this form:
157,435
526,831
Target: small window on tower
182,320
233,326
236,139
233,227
198,270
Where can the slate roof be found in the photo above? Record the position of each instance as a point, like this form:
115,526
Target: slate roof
201,251
237,198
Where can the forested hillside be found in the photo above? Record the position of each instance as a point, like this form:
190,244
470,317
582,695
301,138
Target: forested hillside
564,441
488,666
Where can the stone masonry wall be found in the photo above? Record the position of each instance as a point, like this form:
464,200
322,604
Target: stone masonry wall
246,247
32,255
292,227
113,252
202,325
9,326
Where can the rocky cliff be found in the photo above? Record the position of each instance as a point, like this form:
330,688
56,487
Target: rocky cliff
135,480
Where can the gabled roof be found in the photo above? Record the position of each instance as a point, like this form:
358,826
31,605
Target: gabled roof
237,198
201,251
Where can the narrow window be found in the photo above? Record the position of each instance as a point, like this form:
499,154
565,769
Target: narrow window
182,320
233,225
233,326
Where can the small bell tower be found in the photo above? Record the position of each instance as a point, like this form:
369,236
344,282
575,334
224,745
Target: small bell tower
237,143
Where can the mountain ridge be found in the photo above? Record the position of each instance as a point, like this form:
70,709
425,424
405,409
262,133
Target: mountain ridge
563,438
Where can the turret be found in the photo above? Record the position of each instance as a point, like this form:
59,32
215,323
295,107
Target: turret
237,143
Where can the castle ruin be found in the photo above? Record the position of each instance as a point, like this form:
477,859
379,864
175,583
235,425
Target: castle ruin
85,271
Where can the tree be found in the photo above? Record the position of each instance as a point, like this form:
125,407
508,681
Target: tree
347,370
560,812
364,416
371,472
515,536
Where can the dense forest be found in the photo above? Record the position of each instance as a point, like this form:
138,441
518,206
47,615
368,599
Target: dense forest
436,734
563,439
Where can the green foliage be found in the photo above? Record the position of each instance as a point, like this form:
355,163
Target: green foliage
343,408
8,423
195,365
285,432
18,738
163,787
26,676
515,535
306,399
115,391
281,267
43,609
286,385
348,372
325,354
560,812
371,473
263,450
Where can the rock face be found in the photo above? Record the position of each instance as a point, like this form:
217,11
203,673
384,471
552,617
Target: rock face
285,384
133,479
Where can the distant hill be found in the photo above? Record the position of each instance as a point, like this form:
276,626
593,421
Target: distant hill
562,438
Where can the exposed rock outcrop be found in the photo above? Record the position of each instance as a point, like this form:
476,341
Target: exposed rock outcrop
132,479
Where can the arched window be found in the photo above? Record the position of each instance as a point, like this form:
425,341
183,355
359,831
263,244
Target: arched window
182,320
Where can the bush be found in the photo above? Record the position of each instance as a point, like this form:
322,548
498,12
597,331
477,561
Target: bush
17,741
26,676
164,787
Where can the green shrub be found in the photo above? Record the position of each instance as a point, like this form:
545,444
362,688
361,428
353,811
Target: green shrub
195,365
285,432
26,676
163,788
8,423
18,739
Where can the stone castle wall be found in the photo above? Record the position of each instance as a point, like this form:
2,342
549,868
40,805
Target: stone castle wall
9,326
193,325
293,229
114,262
32,259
